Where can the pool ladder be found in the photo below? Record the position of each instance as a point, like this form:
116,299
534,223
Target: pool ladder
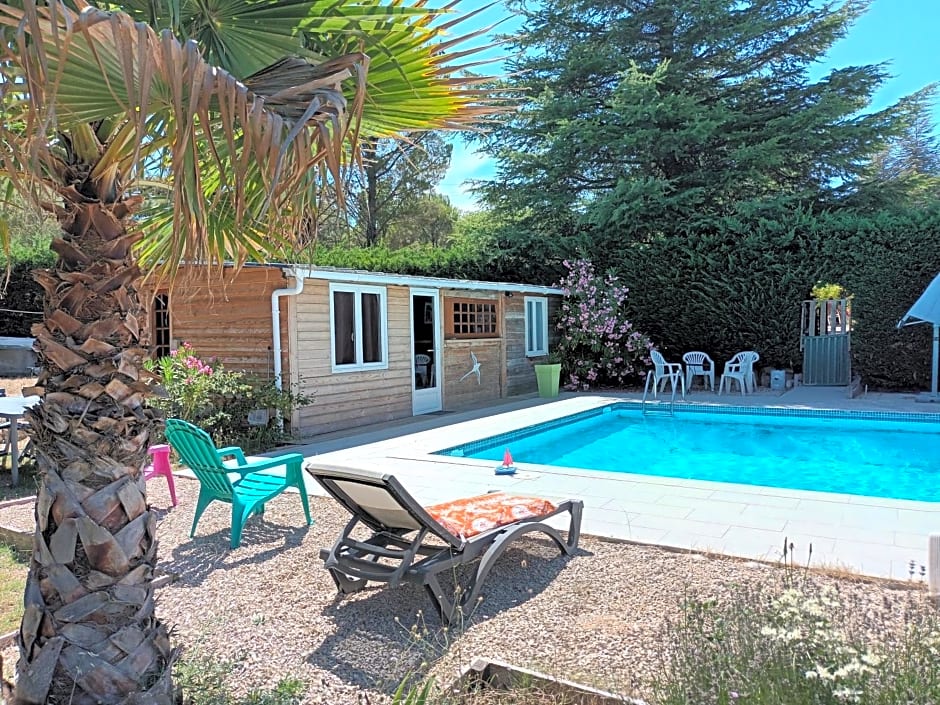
657,406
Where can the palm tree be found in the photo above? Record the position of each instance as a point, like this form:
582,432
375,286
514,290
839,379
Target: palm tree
161,132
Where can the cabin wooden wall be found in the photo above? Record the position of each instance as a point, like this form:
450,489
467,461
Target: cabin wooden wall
505,369
350,399
457,362
520,370
230,320
490,353
520,373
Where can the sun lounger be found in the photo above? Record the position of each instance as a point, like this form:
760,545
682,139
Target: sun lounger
422,544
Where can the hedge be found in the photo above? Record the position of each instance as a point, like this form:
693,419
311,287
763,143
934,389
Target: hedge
741,286
22,294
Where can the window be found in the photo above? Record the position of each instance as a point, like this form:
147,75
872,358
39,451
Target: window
536,326
358,328
472,318
161,325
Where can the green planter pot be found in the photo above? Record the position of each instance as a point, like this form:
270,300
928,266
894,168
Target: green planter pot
547,376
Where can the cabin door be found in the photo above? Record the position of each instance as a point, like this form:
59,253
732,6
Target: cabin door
426,351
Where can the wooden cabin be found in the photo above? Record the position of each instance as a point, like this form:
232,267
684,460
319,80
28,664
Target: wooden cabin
370,347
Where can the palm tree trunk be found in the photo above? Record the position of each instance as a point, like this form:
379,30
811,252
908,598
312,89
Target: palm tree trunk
89,633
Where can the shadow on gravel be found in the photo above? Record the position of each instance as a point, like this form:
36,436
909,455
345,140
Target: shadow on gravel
262,540
384,635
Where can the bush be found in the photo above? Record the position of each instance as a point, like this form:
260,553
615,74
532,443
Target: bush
20,298
218,400
597,344
461,261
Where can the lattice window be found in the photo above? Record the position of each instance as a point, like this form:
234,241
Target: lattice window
161,325
471,318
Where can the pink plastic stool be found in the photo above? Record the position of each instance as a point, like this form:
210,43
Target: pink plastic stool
161,466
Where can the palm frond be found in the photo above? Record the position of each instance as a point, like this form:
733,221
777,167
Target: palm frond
229,149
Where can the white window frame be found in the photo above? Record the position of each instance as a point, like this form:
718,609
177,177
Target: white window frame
359,365
530,349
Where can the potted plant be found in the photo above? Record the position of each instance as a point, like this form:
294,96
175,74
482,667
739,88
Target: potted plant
548,375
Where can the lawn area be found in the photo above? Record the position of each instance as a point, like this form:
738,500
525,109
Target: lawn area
12,581
26,487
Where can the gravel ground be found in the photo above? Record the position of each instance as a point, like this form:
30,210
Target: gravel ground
596,617
14,385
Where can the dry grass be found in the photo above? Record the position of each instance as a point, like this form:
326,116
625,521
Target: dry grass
12,581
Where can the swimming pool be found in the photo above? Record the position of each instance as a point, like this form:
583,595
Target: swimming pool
844,453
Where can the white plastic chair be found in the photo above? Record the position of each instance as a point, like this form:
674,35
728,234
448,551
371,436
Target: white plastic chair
695,366
422,365
740,368
666,371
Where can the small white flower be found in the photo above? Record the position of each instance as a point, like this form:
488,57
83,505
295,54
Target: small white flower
847,694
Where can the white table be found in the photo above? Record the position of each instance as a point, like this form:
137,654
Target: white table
13,409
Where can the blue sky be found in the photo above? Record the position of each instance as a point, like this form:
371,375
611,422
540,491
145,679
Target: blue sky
902,33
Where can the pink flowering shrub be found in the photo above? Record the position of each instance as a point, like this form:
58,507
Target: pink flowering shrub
598,345
218,400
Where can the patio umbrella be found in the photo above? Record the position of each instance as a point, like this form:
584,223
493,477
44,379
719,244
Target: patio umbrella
927,310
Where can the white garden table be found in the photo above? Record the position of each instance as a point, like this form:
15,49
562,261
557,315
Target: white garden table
13,409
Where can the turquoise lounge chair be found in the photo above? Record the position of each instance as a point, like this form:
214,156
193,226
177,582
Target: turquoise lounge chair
248,494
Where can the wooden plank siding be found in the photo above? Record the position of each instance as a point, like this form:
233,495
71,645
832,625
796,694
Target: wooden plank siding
349,399
520,374
457,362
520,370
233,323
230,320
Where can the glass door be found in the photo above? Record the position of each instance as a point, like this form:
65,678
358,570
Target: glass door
426,351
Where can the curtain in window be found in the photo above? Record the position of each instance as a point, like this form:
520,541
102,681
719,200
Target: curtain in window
530,326
344,311
535,326
371,328
539,326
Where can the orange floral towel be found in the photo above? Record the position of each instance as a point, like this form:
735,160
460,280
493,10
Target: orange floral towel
473,515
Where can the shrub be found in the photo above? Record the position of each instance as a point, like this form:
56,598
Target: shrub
800,645
20,297
598,345
217,400
822,292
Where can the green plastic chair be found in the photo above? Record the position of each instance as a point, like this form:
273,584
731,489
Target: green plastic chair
248,494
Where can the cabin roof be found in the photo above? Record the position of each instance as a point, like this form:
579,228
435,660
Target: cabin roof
339,274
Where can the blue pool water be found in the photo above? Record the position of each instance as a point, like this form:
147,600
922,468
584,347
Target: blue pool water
893,459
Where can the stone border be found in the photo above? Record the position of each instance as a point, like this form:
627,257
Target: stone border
21,541
490,673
